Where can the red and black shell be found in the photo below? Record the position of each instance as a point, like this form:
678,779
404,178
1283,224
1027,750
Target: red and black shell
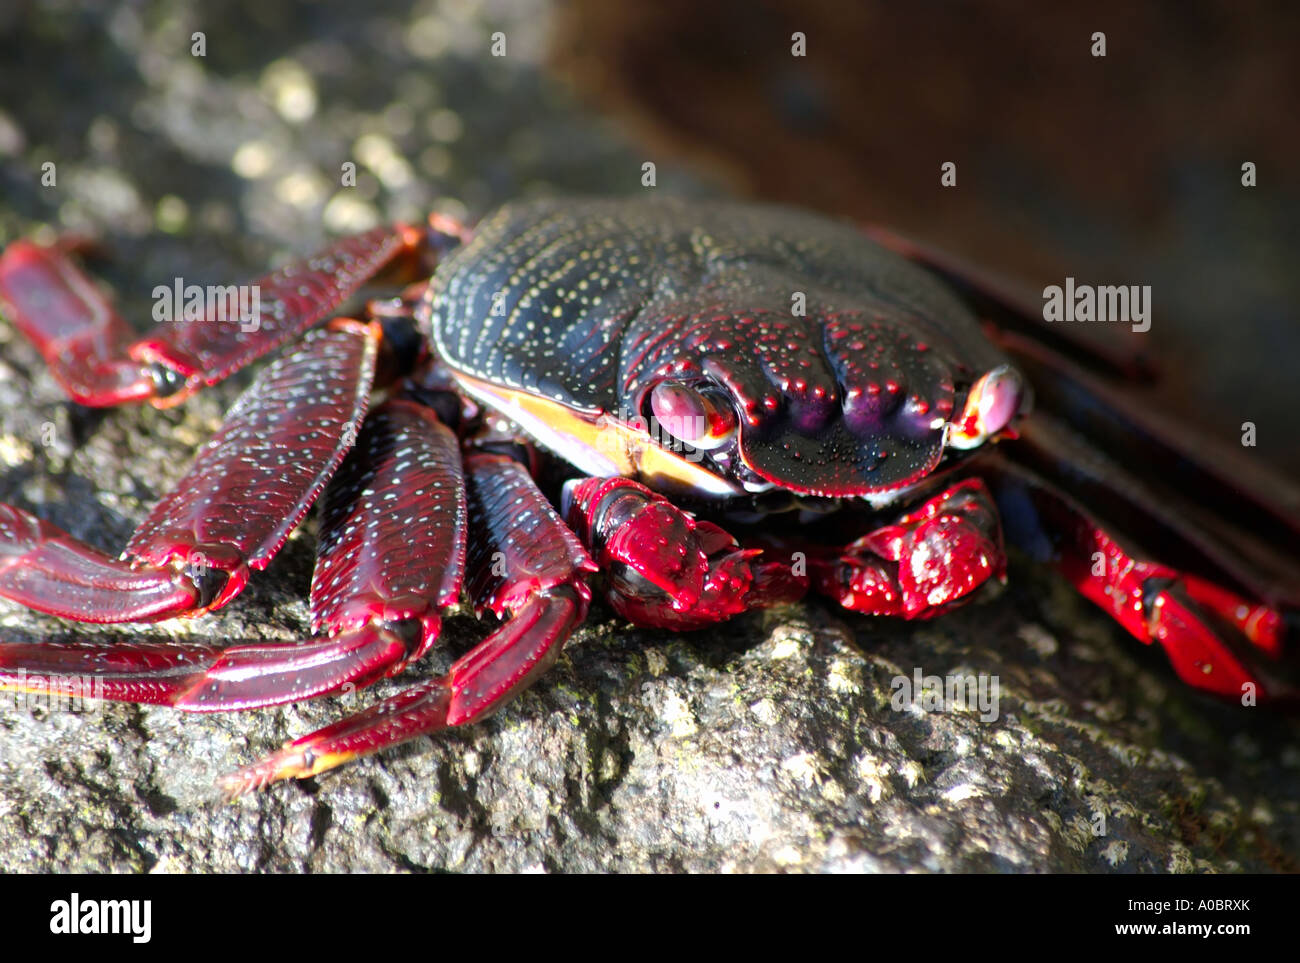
843,359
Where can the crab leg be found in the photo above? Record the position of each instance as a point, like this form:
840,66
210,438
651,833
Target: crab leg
1206,562
1226,634
1122,444
199,677
522,561
90,350
247,490
1131,510
391,555
45,568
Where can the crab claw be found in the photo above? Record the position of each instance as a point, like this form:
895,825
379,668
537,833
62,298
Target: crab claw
947,558
943,551
656,543
664,567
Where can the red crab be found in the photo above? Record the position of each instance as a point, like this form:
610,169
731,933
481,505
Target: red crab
753,364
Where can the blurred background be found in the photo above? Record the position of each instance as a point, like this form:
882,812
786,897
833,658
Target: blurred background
1121,169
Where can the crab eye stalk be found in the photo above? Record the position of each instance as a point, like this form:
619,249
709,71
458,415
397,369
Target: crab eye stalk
703,418
993,401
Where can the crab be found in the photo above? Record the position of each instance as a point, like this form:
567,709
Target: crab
695,409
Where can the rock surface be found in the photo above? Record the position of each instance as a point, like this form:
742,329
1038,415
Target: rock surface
771,743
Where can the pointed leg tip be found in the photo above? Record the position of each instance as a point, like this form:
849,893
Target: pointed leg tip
255,777
236,784
291,762
286,764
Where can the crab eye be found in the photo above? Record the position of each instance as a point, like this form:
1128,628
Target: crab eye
703,419
993,401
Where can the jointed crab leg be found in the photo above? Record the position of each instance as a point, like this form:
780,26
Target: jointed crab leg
394,528
1133,514
391,555
390,558
248,488
77,332
1206,562
200,677
45,568
523,561
150,673
89,348
1187,492
1222,639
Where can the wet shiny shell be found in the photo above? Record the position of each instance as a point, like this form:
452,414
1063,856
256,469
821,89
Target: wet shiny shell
842,356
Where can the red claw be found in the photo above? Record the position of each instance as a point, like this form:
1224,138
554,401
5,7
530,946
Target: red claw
658,543
665,568
928,559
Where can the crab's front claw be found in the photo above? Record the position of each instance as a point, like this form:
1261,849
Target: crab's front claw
927,560
945,550
663,566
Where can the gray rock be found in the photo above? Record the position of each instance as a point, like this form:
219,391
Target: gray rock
770,743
